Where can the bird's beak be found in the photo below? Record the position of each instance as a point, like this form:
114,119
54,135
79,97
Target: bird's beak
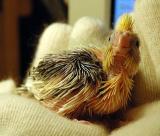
124,42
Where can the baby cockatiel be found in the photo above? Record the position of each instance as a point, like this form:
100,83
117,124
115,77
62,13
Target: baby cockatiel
90,81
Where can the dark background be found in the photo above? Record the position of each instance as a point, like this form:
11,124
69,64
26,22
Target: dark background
32,26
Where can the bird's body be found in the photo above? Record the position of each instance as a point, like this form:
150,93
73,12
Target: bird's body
91,80
68,80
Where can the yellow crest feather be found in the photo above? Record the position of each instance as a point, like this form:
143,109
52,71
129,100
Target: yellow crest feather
125,23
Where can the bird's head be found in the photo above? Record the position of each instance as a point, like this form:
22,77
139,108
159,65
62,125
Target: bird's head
123,50
123,42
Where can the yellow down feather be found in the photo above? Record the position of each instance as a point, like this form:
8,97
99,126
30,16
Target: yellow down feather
124,23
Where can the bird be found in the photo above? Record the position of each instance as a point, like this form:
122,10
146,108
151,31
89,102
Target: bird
90,81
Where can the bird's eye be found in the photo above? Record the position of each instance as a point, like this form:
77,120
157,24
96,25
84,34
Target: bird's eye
137,43
109,38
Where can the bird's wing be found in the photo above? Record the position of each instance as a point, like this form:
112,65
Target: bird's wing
76,75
